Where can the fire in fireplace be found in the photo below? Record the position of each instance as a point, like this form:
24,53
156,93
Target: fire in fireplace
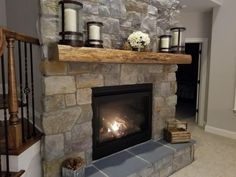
121,117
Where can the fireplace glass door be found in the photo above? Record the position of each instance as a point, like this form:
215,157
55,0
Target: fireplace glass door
121,117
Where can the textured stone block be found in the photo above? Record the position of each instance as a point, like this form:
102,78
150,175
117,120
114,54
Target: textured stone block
146,172
128,74
70,99
135,18
111,26
107,43
54,146
171,77
182,158
171,100
149,77
162,89
159,101
132,5
54,102
90,8
111,79
83,130
84,96
86,113
163,163
118,9
104,11
152,10
89,80
50,68
167,112
110,68
59,85
80,68
165,172
49,7
149,24
60,121
171,68
49,29
81,137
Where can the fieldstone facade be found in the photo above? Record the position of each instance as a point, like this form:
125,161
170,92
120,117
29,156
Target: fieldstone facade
67,116
120,19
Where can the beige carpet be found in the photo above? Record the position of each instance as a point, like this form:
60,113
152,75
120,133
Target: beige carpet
215,156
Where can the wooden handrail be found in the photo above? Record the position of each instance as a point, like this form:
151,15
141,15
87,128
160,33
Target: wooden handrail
7,38
6,33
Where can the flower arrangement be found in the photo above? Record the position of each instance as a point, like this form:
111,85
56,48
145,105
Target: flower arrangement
138,39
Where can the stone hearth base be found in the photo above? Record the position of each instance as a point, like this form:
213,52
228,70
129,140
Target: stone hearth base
150,159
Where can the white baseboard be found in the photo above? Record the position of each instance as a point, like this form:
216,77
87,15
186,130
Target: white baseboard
221,132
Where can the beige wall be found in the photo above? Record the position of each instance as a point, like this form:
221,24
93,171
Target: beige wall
223,68
3,20
21,16
198,24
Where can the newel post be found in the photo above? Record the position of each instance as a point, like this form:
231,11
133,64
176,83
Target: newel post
15,131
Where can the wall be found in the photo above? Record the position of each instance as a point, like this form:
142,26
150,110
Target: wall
222,71
23,20
3,20
198,24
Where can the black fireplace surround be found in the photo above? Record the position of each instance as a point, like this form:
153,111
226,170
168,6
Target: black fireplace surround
122,117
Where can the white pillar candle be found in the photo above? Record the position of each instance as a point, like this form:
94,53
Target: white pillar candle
70,20
165,42
175,38
94,32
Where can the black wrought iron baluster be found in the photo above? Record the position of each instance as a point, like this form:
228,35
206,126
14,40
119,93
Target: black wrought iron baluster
5,114
21,91
27,91
32,89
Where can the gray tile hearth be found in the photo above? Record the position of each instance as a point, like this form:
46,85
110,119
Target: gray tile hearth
150,159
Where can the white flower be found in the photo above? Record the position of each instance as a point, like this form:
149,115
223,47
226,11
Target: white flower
138,39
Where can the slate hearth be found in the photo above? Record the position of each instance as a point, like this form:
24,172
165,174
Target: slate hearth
150,159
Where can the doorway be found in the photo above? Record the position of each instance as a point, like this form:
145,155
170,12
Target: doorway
188,82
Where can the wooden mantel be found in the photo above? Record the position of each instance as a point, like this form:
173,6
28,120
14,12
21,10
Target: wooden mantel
98,55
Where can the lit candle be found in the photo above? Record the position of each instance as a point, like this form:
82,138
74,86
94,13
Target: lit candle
70,20
94,32
175,38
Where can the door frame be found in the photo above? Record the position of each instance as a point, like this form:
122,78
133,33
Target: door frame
202,97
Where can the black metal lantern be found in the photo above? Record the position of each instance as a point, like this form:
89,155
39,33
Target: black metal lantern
94,32
70,23
177,43
165,43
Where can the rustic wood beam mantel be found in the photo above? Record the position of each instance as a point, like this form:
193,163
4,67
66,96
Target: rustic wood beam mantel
98,55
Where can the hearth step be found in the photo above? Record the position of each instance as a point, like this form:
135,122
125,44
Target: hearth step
149,159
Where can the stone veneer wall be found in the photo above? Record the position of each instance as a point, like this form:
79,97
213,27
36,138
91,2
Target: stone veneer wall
67,103
120,18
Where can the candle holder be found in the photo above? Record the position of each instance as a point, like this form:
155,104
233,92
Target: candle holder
70,23
164,45
94,32
177,43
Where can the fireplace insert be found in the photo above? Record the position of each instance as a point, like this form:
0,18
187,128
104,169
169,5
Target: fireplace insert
122,117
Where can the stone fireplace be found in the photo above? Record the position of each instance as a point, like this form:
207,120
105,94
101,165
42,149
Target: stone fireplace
67,102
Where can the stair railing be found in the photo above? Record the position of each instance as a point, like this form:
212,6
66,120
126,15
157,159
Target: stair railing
14,127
